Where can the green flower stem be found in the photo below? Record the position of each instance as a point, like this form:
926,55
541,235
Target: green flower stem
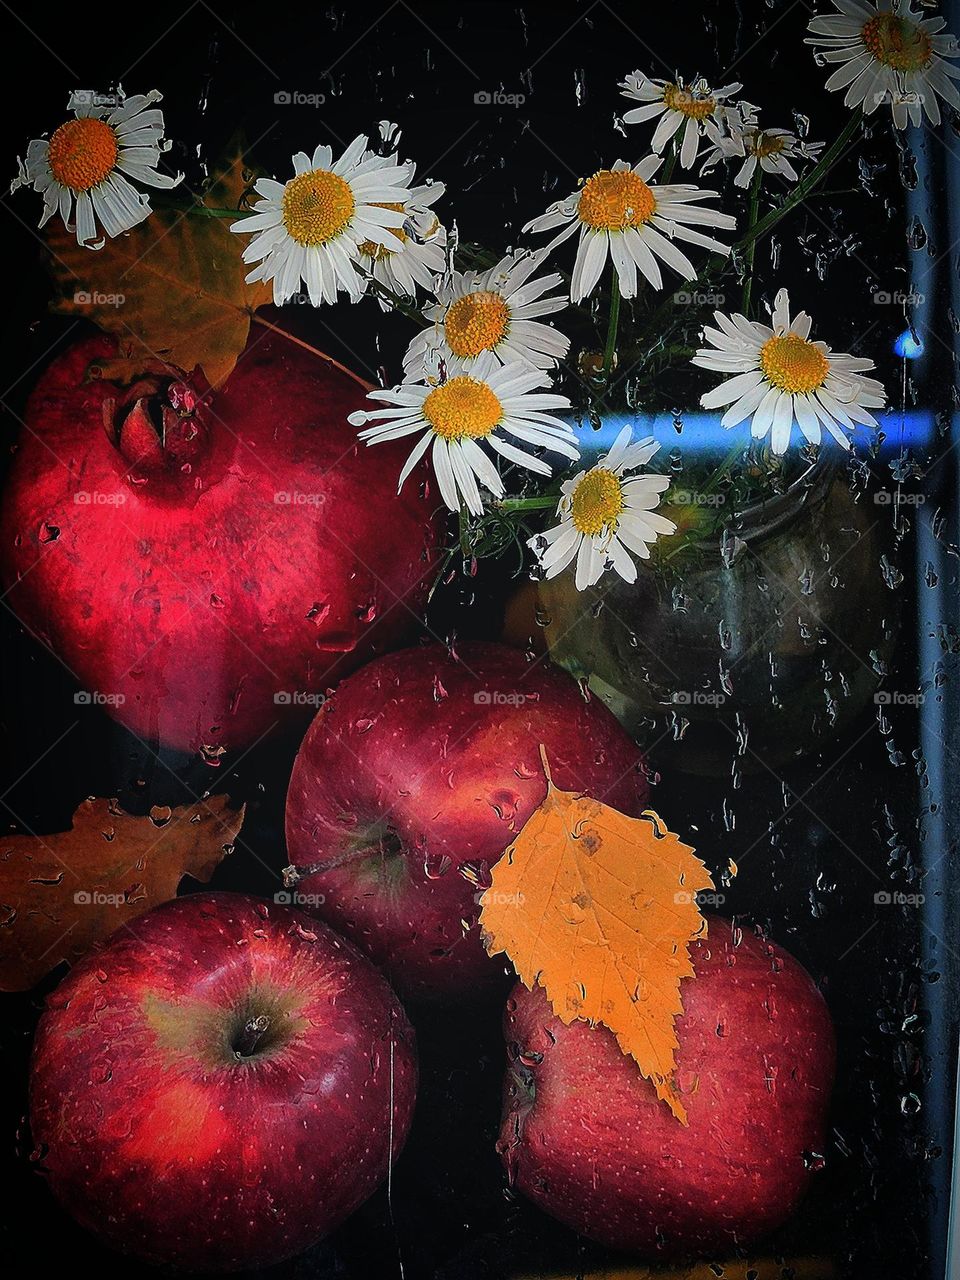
717,265
610,350
752,219
405,306
724,467
806,184
526,504
666,173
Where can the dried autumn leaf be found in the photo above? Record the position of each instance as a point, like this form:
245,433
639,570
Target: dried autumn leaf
171,290
599,908
61,894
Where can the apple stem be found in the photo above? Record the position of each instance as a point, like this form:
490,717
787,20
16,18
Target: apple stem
246,1042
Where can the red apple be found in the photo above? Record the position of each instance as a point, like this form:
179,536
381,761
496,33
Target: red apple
208,563
414,778
586,1138
221,1084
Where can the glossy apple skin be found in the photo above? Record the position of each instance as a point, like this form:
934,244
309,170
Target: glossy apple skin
585,1137
415,777
159,1140
198,595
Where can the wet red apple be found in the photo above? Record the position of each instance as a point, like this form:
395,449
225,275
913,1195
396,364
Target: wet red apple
208,563
221,1084
585,1137
415,777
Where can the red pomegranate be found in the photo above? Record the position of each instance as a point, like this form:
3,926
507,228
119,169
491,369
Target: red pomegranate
208,563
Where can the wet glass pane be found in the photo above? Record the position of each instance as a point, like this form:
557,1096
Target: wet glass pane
277,737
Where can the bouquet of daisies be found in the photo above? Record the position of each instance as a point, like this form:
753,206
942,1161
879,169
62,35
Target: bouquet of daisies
498,371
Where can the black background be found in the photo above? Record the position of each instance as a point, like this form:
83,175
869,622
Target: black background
421,66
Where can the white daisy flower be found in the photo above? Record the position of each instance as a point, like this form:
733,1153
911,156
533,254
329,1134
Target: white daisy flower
492,311
606,519
618,212
475,405
889,53
419,257
695,108
311,228
88,160
771,149
780,377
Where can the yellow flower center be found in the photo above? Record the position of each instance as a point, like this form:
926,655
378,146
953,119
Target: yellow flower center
462,408
765,144
378,251
82,153
897,42
476,322
317,206
695,105
596,502
793,364
615,199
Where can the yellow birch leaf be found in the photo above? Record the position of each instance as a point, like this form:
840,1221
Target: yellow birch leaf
599,909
